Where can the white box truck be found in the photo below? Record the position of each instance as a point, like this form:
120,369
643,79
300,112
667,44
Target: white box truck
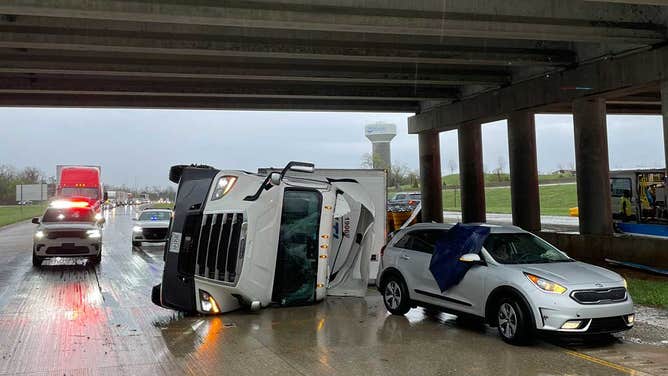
285,238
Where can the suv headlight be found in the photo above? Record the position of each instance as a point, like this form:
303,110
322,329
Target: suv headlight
223,186
94,234
136,229
39,234
545,284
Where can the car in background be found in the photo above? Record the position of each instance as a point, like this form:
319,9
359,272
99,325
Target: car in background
25,202
151,226
405,200
68,229
518,283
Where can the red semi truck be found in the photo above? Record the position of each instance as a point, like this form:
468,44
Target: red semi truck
80,181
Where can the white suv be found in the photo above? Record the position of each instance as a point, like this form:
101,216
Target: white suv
519,283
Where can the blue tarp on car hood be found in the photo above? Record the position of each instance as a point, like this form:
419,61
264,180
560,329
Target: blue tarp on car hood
459,240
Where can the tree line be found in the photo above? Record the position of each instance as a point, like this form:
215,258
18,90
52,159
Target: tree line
10,177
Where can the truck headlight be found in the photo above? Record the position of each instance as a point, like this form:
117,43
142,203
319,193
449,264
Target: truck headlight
208,303
136,229
545,284
39,234
223,186
94,234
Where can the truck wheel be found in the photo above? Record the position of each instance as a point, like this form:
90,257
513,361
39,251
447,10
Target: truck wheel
513,322
36,260
395,296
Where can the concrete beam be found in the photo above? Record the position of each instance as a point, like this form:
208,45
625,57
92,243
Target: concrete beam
208,88
57,40
478,20
200,103
108,66
591,164
431,185
471,174
525,197
604,77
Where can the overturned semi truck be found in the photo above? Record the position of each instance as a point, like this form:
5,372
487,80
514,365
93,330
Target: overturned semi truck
240,239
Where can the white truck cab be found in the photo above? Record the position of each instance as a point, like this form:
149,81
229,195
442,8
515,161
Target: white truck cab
242,239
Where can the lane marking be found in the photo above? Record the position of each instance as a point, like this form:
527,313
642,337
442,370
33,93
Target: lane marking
605,363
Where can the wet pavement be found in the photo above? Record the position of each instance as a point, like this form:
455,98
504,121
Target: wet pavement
69,318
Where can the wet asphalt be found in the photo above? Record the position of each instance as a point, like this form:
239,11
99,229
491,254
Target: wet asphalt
69,318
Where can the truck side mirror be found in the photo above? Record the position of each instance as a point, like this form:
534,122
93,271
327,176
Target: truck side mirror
275,178
35,220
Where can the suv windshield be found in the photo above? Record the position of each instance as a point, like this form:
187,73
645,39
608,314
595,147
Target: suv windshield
155,216
69,215
522,249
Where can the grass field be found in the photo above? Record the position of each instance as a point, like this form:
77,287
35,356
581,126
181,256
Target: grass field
161,206
15,213
554,199
649,292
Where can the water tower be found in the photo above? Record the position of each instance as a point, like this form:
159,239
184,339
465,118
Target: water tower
380,134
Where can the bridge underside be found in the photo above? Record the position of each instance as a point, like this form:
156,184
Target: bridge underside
396,56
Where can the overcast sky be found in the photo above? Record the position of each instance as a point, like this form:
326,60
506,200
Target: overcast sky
138,146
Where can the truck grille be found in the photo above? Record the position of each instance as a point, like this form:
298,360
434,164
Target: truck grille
154,233
66,234
220,248
600,296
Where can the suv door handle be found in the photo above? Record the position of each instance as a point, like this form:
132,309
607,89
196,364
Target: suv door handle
404,257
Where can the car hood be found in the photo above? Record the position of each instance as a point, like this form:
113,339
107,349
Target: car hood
571,273
68,226
153,224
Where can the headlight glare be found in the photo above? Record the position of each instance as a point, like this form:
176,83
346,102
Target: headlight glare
136,229
223,186
39,234
94,234
545,284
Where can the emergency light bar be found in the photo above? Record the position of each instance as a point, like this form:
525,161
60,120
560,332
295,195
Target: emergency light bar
65,204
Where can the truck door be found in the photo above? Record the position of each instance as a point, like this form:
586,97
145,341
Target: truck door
297,257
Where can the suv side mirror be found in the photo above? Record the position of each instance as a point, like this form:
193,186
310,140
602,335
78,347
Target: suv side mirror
101,221
35,220
471,258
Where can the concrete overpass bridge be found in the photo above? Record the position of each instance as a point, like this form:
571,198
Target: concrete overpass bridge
455,64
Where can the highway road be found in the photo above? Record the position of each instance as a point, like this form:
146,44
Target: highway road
68,318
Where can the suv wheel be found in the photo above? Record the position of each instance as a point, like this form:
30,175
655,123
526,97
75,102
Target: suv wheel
95,260
136,244
395,296
513,323
36,260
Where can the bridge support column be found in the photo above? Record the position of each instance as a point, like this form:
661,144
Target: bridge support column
664,111
471,174
592,167
524,193
431,185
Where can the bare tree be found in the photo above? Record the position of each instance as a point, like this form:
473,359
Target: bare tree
369,161
398,174
500,167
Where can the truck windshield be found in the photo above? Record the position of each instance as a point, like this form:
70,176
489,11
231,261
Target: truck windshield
69,215
84,192
155,216
522,248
